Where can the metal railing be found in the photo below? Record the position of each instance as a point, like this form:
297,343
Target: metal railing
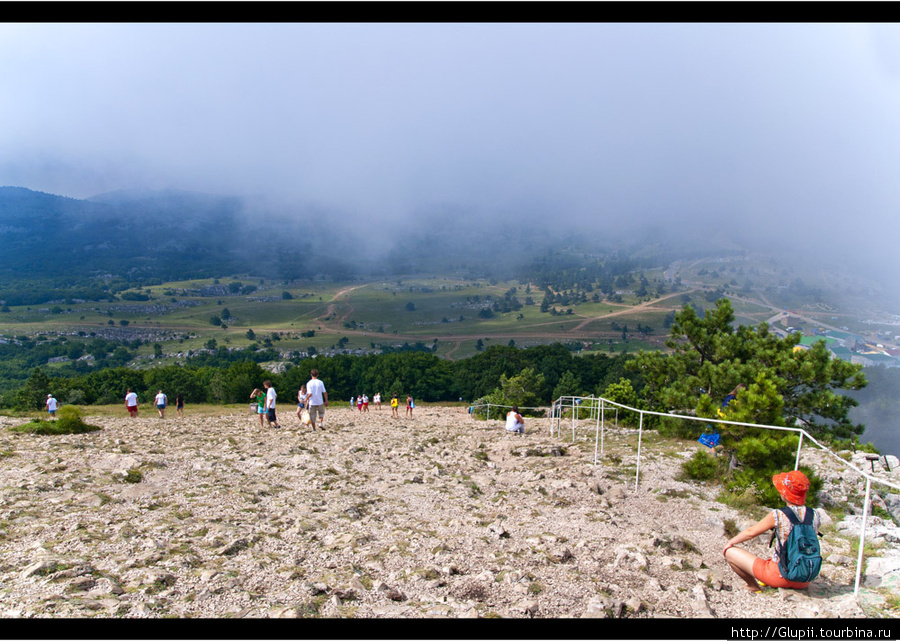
472,408
596,405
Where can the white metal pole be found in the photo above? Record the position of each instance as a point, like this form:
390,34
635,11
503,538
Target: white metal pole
596,436
602,426
637,475
862,536
799,446
573,419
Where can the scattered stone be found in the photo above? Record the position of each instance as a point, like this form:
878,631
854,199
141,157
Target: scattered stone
560,555
82,584
317,588
40,568
600,607
528,607
160,578
440,517
234,547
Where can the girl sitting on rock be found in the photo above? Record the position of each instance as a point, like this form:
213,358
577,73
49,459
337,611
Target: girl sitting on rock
756,572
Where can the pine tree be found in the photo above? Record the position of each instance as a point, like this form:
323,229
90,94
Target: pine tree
709,358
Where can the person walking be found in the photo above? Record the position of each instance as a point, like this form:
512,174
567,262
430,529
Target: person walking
160,401
410,405
301,401
270,405
395,405
756,572
131,403
318,399
377,400
179,405
52,405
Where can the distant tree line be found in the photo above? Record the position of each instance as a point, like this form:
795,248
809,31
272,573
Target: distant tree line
228,377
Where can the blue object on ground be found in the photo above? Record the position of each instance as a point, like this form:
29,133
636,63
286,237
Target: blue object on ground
709,440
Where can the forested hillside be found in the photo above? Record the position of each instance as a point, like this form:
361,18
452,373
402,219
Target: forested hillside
57,247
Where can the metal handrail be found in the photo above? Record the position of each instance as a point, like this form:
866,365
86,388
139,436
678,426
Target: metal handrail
490,405
556,413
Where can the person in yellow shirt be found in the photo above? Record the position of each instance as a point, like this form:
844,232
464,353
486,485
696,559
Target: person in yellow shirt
395,404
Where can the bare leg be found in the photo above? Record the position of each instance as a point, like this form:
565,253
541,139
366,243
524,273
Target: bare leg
741,561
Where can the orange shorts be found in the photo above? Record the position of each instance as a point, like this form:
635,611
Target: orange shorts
766,570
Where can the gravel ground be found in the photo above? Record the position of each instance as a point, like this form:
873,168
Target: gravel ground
435,516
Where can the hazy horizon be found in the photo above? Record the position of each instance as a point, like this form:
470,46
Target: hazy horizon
778,135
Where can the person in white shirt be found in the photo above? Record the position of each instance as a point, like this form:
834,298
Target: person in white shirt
377,400
270,404
317,401
52,404
301,402
160,401
131,403
514,421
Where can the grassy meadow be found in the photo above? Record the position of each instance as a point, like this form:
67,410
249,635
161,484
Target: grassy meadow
454,316
445,313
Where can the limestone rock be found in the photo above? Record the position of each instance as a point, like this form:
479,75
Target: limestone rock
440,516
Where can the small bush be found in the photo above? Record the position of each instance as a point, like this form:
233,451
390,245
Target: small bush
730,528
741,499
675,428
880,512
69,422
701,467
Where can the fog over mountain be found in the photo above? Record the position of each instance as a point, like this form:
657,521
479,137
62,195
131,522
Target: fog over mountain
781,136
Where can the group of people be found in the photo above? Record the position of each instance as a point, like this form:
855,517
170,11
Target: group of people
312,399
361,403
160,400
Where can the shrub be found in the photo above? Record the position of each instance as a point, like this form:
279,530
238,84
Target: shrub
676,428
702,466
522,390
69,422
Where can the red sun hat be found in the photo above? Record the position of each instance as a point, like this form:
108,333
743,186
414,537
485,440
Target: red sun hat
792,486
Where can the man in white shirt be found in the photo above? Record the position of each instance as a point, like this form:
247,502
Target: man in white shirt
131,403
270,404
51,404
318,399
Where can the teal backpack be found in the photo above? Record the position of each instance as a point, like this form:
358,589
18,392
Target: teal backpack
800,558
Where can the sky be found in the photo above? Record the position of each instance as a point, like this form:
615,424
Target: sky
772,130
